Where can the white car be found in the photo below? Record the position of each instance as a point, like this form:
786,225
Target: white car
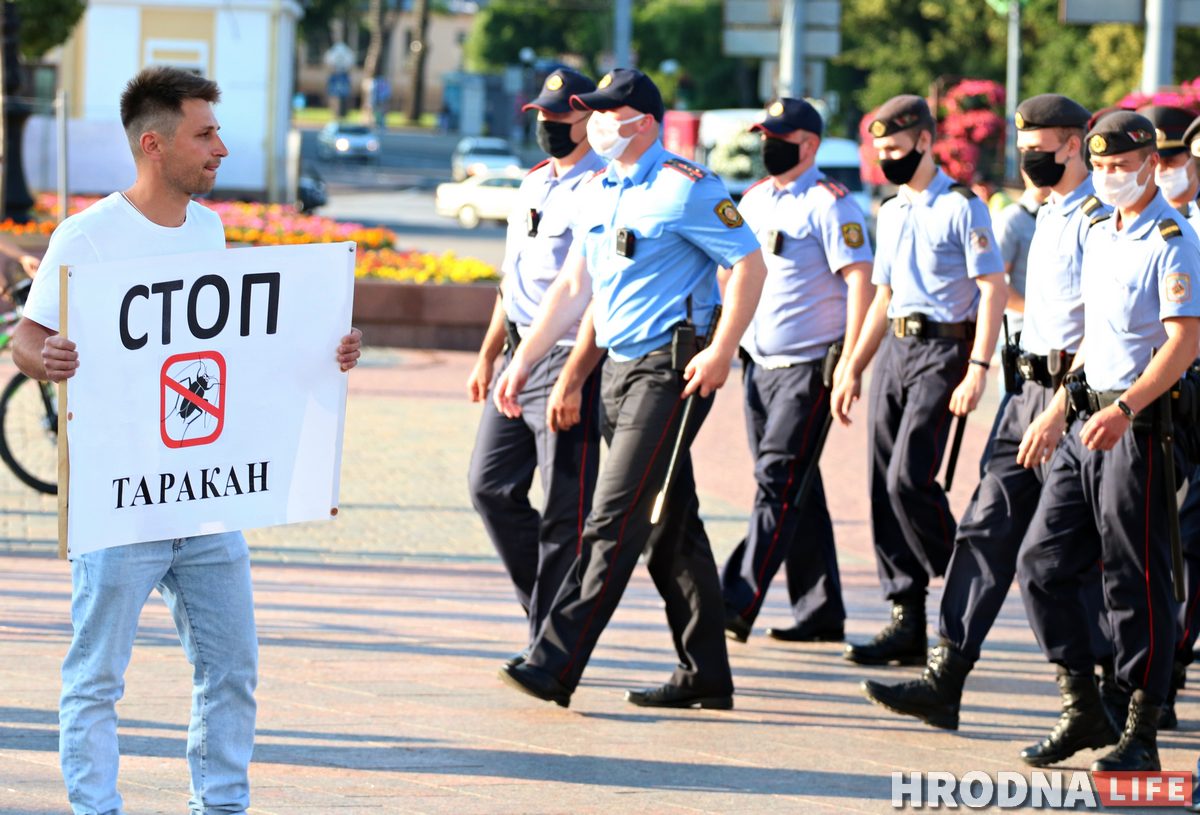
482,154
480,198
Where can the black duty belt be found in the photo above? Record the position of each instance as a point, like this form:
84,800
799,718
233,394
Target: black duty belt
921,327
1099,400
1046,371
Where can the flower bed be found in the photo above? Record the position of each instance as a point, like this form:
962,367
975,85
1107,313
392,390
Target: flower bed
277,225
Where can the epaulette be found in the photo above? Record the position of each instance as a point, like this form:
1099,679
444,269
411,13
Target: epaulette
1169,229
964,190
538,166
756,183
1090,205
690,170
835,188
1095,219
889,198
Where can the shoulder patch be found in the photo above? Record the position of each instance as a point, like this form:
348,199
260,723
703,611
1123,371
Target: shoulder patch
1090,205
1169,229
728,214
964,190
852,234
1178,288
690,170
835,188
538,166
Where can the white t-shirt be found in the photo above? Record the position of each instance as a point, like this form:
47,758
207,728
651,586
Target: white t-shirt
111,229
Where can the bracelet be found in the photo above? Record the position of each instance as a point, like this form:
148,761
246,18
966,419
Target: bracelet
1124,408
982,363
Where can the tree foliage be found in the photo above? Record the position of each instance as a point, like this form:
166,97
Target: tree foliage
46,24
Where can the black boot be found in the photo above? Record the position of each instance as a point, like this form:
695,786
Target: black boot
1138,748
1083,724
935,697
1168,720
1114,697
901,641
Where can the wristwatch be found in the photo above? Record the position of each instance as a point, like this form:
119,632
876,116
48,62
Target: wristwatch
1124,408
982,363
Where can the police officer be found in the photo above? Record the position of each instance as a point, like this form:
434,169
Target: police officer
817,292
1191,141
936,271
651,232
1105,493
537,548
1050,137
1176,175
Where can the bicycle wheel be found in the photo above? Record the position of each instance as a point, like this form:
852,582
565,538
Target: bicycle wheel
29,432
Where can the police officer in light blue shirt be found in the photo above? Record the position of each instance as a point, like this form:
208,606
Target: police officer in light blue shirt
818,261
937,274
1105,495
1051,136
537,547
650,234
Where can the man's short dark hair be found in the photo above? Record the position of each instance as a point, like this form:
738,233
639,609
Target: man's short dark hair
153,100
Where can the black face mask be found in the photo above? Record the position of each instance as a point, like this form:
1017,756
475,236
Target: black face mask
1041,167
901,170
555,138
779,156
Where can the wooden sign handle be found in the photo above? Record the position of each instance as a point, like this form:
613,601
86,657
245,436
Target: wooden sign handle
64,462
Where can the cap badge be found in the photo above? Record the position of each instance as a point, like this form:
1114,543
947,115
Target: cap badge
878,128
1138,135
905,120
1160,135
1098,144
554,82
1196,148
1020,120
776,109
605,81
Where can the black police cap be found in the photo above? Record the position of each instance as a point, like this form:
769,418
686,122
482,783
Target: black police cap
786,115
1169,126
1119,132
1050,110
557,90
620,87
900,113
1190,140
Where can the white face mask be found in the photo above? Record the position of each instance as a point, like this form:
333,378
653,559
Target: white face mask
604,135
1119,189
1174,181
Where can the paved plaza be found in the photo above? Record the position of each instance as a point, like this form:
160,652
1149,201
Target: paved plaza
381,634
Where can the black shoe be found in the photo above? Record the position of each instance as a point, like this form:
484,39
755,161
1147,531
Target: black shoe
1167,720
1115,699
807,633
1084,723
669,695
935,697
902,641
536,683
736,628
517,659
1138,748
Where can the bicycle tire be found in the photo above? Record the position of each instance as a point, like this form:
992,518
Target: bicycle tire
8,433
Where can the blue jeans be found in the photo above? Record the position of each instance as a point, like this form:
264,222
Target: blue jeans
205,582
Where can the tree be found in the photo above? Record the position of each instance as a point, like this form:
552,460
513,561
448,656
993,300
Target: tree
46,24
552,28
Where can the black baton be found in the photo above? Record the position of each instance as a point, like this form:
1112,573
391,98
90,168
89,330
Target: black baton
1166,426
810,473
685,420
955,446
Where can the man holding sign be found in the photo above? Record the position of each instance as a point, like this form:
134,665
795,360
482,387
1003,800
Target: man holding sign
168,117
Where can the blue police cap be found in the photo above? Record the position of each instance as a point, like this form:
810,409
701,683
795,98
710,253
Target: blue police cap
620,87
786,115
557,90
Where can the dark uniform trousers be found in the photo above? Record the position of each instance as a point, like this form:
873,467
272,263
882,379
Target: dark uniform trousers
536,548
642,412
785,409
910,419
989,535
1106,506
1189,526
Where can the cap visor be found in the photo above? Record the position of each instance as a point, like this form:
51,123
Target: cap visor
596,100
547,106
769,127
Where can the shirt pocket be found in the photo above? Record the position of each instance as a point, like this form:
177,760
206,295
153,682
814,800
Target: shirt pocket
1124,293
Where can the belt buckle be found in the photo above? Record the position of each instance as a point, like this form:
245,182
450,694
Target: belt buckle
914,325
1025,367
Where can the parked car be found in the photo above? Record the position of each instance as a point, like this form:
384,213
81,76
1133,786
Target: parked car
342,140
481,154
483,197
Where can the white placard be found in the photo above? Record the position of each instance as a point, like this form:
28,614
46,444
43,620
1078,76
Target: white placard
208,396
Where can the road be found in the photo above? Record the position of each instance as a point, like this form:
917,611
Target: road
398,193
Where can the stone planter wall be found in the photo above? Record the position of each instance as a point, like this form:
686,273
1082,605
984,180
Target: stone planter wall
408,315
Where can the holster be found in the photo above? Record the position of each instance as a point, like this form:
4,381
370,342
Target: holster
1008,366
512,336
828,365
